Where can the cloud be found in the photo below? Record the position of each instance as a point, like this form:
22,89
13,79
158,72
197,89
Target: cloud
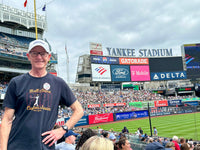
122,23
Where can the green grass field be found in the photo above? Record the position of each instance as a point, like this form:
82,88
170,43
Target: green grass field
185,125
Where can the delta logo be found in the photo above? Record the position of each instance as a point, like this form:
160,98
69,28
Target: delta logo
100,70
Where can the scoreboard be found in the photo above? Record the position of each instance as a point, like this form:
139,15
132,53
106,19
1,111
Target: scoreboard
185,89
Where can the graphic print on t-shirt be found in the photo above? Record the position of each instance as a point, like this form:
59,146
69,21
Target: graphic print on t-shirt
39,99
36,101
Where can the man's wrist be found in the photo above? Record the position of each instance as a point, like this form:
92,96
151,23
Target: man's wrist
65,128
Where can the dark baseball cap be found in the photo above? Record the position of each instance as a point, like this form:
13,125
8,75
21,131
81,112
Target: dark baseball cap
69,133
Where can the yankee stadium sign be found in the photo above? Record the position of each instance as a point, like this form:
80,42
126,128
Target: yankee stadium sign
123,52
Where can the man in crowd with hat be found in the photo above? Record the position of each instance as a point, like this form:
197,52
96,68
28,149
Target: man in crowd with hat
31,105
69,143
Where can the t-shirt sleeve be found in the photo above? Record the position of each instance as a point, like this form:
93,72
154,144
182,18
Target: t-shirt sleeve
67,96
58,146
10,97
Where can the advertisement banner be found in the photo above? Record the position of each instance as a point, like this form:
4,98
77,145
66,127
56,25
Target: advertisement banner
140,73
191,99
120,73
166,113
145,104
193,103
156,76
95,52
100,72
188,111
174,102
83,121
131,115
114,104
99,118
136,104
134,61
104,60
60,121
94,105
95,46
161,103
111,87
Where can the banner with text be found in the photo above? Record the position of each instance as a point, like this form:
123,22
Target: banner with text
145,104
131,115
174,102
134,61
114,104
156,76
83,121
100,118
60,121
136,104
104,60
94,105
161,103
140,73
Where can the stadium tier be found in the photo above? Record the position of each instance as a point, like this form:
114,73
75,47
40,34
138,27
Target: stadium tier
17,30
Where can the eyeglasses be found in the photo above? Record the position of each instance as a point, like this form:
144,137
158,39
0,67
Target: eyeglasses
42,54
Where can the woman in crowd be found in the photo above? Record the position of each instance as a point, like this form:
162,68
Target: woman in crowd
97,143
123,144
185,146
85,135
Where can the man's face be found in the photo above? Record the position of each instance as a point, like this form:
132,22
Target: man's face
127,145
38,57
72,139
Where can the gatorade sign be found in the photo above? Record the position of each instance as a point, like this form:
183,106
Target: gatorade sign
168,75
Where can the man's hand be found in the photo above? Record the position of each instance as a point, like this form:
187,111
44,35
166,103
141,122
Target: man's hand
53,136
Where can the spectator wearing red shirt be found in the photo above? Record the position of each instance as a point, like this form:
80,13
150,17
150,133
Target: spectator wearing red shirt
175,141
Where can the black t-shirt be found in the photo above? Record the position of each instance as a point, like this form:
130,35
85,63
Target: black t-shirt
35,101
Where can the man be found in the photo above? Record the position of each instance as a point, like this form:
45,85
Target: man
175,141
112,137
125,130
141,131
31,105
69,143
165,142
155,132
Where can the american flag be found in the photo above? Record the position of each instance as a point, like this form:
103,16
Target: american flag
100,70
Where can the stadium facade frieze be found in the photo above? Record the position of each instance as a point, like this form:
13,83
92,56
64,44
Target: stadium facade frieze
126,52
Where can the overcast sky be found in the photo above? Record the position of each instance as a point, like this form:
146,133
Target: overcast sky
131,24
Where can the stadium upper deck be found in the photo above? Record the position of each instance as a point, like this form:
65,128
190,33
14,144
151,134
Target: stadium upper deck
17,30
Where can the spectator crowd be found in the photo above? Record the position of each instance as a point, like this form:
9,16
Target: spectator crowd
99,139
124,96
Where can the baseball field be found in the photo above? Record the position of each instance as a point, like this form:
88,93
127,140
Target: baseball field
183,125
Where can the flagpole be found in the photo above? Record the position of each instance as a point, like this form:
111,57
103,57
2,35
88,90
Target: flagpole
36,35
67,63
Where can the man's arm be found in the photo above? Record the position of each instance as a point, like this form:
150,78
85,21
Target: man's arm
56,134
6,127
76,116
